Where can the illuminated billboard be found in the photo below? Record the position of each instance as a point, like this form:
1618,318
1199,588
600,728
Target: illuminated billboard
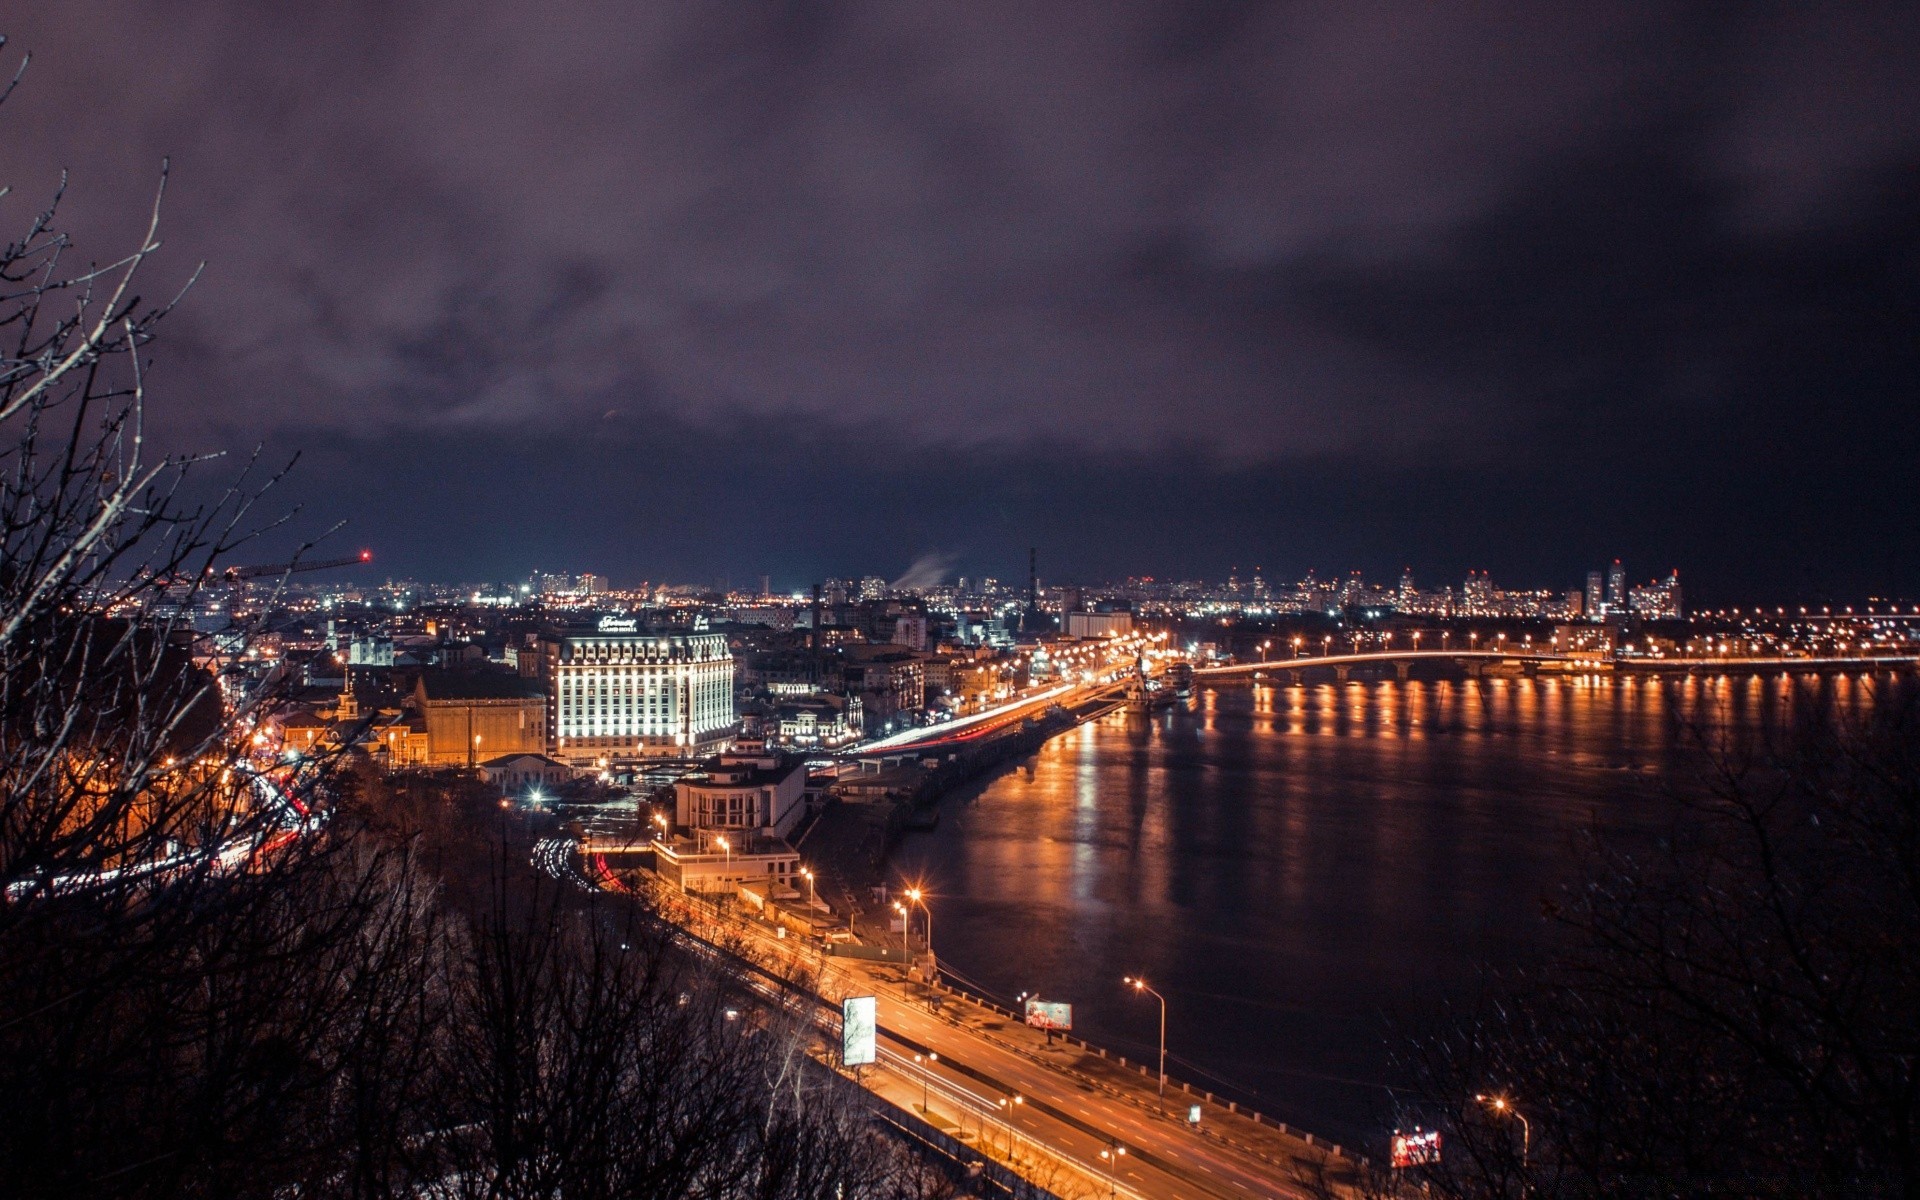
1045,1014
857,1031
1417,1149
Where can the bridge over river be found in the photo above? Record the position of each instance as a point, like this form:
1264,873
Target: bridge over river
1476,661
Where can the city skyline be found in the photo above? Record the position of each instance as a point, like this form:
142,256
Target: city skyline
710,292
908,600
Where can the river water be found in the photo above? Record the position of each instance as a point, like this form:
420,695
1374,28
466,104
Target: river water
1305,870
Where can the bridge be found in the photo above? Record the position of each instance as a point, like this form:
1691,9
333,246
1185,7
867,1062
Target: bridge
1475,660
1402,661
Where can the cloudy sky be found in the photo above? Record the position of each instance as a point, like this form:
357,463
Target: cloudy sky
702,290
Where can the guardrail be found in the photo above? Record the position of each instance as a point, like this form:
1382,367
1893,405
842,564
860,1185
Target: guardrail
985,1110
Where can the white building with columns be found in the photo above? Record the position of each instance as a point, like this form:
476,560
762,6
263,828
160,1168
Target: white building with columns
617,693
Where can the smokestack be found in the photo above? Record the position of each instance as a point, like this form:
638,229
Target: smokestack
1033,578
813,633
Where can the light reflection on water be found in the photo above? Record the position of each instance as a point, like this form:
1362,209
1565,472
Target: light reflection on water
1294,866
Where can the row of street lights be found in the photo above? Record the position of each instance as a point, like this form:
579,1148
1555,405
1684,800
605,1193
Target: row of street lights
1110,1157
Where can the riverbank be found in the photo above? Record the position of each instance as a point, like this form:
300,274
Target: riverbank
851,844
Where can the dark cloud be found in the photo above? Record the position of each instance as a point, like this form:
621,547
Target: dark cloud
1625,264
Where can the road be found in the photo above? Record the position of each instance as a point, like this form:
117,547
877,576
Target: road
1073,1111
1163,1159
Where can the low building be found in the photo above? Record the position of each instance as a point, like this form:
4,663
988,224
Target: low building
761,794
1099,624
513,772
303,729
811,722
472,716
718,862
888,680
401,740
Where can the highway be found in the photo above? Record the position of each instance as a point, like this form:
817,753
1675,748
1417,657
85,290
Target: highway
1063,1106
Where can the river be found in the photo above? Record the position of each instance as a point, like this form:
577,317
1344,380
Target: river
1304,871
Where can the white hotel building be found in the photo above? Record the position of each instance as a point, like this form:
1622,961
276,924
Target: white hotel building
616,693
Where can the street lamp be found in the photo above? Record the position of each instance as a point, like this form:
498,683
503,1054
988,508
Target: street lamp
1500,1104
812,896
1140,985
1006,1105
921,1061
1112,1156
914,895
726,845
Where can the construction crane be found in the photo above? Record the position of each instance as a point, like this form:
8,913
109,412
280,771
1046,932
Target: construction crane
237,574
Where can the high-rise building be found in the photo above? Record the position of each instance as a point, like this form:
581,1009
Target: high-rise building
1477,595
1596,596
1617,588
614,691
1657,601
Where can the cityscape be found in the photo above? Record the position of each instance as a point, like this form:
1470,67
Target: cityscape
715,602
754,761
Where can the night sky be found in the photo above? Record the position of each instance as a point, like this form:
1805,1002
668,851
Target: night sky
705,290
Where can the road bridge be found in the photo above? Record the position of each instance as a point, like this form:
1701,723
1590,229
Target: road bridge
1401,660
1475,660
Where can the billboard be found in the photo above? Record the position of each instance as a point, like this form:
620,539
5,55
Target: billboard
857,1031
1045,1014
1416,1149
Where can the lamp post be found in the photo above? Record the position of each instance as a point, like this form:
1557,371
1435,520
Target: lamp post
921,1061
726,845
1501,1104
1112,1156
914,895
1007,1104
1140,985
812,896
918,897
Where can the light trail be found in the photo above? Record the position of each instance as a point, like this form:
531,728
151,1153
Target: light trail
290,819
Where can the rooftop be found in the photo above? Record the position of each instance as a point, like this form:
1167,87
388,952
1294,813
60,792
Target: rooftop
477,685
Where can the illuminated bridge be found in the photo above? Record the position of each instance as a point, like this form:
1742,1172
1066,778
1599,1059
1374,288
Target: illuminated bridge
1475,660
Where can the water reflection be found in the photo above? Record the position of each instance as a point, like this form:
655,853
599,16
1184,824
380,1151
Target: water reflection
1294,865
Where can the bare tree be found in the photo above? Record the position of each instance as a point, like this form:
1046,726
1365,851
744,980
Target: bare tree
186,955
224,979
